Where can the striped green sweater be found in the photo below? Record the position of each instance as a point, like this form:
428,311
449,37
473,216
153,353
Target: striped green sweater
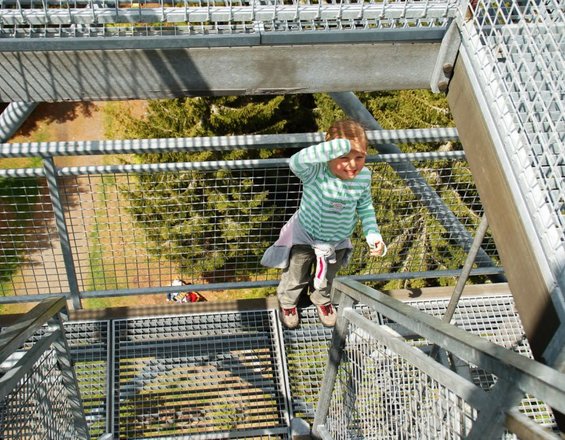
329,206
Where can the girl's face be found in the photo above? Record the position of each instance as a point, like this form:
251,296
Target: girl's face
348,166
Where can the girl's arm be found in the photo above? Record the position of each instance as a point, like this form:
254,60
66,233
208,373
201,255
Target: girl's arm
366,212
306,163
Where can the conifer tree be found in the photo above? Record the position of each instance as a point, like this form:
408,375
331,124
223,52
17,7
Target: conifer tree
417,241
198,219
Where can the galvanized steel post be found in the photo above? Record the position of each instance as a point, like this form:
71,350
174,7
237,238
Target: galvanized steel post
334,358
51,175
13,117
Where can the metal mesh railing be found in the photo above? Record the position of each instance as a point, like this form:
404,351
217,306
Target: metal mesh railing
380,395
28,237
230,372
39,396
386,385
515,51
491,317
118,18
141,226
37,406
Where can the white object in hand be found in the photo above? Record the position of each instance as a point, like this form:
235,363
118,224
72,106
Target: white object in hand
373,239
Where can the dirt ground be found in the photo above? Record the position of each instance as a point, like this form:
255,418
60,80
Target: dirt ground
69,121
84,121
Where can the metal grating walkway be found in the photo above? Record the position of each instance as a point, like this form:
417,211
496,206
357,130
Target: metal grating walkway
235,374
206,375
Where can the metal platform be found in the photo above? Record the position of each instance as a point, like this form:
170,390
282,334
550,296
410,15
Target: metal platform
210,374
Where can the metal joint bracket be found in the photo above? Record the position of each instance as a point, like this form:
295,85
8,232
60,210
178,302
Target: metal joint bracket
554,353
443,69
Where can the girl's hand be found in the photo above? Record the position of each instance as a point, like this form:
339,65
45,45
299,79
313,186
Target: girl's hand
376,245
378,250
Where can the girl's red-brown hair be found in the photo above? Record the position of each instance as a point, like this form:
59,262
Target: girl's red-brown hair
348,129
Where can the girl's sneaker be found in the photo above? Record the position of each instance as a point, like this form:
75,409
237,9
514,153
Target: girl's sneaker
327,315
289,317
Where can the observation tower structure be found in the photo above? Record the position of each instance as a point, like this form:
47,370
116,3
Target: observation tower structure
70,231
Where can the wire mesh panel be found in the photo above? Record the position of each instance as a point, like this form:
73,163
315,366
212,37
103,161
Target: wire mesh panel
39,397
388,387
495,319
491,317
90,350
144,230
306,351
31,261
515,49
419,236
110,251
199,374
38,405
211,223
380,395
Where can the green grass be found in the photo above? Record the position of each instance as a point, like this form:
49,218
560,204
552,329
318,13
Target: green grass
20,162
101,276
113,128
19,195
259,292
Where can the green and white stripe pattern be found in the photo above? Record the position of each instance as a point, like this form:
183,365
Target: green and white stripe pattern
330,206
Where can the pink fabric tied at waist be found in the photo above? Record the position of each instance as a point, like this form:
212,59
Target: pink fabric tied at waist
325,254
292,233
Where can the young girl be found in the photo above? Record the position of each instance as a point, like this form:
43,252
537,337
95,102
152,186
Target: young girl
336,190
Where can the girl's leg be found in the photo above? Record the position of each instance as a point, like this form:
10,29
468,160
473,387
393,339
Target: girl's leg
322,296
296,277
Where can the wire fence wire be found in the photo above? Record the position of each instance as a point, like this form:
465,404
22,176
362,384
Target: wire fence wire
209,223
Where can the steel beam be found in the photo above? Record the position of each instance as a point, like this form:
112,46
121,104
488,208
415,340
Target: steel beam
525,276
220,143
90,75
13,117
519,252
60,222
